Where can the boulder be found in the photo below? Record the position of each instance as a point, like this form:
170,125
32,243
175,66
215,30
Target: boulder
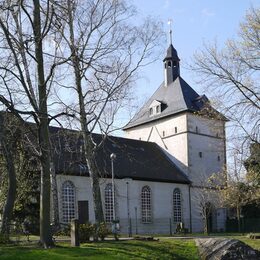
225,249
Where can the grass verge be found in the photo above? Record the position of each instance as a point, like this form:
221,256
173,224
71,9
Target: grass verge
173,249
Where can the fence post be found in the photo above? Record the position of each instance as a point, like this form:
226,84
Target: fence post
130,228
74,232
170,226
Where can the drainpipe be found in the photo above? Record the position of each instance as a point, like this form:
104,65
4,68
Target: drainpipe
190,209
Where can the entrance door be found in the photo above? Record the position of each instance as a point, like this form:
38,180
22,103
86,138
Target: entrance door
83,211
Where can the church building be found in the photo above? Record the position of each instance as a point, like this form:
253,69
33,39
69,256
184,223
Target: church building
171,147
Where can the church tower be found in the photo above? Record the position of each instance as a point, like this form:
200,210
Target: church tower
171,65
183,123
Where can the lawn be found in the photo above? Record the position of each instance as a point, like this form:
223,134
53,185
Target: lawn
172,249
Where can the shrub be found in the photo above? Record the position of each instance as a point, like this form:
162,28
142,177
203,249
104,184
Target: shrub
85,232
103,231
63,231
4,239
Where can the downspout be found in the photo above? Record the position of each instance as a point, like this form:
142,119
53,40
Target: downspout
190,209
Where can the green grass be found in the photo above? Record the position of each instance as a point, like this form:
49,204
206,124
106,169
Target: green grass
172,249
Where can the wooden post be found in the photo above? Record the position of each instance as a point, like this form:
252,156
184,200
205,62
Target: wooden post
74,232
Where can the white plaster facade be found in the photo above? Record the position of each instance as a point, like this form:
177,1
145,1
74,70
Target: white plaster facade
161,198
195,143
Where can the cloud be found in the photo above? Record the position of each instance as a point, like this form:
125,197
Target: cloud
207,12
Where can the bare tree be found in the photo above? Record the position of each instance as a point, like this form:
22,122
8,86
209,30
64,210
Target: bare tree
27,70
232,75
106,51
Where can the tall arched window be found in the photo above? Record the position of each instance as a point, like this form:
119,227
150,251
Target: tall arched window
68,201
109,209
146,204
177,207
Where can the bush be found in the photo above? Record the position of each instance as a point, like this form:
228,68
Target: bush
64,231
103,231
85,232
4,239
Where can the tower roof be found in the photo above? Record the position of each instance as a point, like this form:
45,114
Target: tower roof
173,96
171,54
177,97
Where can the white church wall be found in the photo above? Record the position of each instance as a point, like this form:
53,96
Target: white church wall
170,133
161,199
206,149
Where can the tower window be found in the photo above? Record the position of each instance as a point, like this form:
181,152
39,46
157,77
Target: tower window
151,111
218,158
174,64
169,64
175,130
200,154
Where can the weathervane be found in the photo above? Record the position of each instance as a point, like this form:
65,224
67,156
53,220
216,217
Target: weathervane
170,31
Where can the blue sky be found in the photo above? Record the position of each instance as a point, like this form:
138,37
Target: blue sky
194,22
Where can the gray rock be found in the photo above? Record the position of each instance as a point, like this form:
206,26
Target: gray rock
225,249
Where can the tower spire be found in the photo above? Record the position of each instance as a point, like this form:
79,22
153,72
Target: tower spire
171,61
170,29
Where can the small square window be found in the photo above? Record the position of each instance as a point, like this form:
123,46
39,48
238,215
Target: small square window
200,154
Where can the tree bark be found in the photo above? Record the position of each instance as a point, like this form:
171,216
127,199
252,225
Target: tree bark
43,134
55,201
238,219
11,173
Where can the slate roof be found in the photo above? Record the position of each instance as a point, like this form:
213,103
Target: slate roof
178,97
171,54
135,159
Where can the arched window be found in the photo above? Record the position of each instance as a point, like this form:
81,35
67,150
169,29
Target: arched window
169,64
177,207
109,209
151,111
68,201
146,204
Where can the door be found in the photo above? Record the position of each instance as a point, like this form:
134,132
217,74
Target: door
83,211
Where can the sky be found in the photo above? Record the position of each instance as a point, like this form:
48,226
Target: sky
194,22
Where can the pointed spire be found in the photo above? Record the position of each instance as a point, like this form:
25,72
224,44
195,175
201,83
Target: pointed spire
171,61
170,30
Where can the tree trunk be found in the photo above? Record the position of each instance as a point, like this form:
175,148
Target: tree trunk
238,219
43,134
11,194
89,145
55,201
94,175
